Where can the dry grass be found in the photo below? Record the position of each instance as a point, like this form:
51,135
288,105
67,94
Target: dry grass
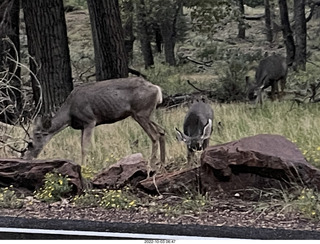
115,141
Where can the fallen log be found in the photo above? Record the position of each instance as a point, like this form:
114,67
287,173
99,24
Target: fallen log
29,174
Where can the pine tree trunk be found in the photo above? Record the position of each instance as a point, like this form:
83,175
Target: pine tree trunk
48,45
241,24
300,34
129,37
144,35
108,39
158,37
268,20
167,33
287,32
167,18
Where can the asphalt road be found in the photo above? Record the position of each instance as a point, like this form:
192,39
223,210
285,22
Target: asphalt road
22,228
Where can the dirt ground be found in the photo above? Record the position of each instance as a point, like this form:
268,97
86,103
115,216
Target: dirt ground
228,212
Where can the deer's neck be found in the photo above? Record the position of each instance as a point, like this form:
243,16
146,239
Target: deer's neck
61,120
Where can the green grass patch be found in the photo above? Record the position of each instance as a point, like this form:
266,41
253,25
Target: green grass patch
299,124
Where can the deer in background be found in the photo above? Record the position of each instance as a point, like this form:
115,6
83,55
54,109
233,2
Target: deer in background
270,71
104,102
197,128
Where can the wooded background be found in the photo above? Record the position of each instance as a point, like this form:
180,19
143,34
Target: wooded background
156,26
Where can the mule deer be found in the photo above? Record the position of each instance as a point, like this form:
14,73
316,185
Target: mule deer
104,102
270,71
197,128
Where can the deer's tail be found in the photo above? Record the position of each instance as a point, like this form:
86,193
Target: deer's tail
159,96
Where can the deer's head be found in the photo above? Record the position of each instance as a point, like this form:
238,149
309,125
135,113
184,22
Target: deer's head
39,139
252,90
195,143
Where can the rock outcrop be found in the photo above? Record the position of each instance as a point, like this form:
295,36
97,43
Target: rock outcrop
259,161
256,162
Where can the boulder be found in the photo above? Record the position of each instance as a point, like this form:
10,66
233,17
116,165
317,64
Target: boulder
259,161
256,162
29,174
129,170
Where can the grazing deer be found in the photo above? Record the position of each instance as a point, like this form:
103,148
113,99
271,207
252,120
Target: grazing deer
270,71
197,128
104,102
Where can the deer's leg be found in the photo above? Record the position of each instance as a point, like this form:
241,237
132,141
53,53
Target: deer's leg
153,134
86,140
282,86
259,98
274,88
161,133
190,158
205,143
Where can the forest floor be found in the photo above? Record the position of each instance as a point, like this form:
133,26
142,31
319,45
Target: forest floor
227,212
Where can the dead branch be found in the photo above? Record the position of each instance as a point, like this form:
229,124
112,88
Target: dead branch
254,17
179,99
196,88
207,63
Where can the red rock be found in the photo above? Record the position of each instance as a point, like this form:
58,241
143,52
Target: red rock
130,169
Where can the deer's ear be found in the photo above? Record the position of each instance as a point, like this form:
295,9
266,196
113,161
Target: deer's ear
207,130
180,136
37,121
42,123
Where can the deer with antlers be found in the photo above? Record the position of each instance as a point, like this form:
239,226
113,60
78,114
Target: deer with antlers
104,102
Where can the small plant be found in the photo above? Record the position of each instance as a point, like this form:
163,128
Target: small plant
296,200
55,187
89,198
308,203
9,198
189,204
312,154
121,199
111,159
87,172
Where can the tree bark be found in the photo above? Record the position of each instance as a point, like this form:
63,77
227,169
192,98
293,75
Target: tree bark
171,11
287,32
167,33
108,38
9,28
144,36
158,37
241,24
48,46
300,34
129,37
268,20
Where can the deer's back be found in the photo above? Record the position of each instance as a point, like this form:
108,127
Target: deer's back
111,100
272,68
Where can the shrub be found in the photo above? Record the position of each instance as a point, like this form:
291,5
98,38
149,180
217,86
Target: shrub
55,187
89,198
9,198
120,199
